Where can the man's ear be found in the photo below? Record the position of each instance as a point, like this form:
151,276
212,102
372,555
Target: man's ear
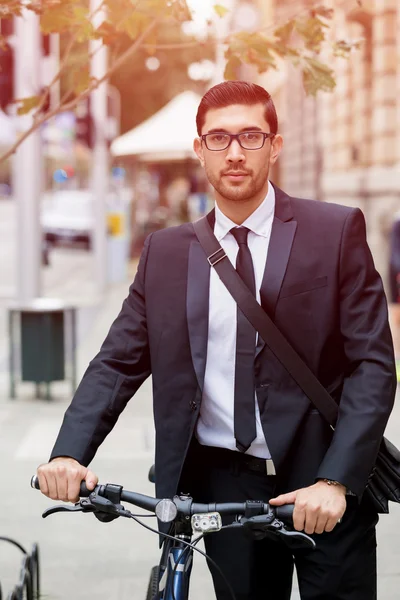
276,148
198,148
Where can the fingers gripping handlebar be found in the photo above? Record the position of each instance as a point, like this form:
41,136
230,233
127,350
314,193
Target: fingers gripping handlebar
258,518
84,492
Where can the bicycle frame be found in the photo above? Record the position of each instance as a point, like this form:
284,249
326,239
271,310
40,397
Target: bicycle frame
176,566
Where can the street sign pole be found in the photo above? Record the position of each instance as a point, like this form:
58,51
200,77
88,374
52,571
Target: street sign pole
100,167
28,161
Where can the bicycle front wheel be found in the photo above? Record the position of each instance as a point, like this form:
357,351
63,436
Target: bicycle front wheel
152,590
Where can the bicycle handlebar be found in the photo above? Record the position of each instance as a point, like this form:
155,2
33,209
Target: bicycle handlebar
259,518
284,513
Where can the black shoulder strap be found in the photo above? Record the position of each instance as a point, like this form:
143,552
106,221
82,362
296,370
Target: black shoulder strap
262,323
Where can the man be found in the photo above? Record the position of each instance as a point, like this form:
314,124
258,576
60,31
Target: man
231,424
394,275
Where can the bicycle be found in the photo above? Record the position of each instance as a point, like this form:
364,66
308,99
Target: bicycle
28,586
170,579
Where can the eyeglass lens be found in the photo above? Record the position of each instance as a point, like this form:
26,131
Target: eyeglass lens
250,140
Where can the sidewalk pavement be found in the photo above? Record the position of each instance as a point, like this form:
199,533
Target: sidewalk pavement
80,555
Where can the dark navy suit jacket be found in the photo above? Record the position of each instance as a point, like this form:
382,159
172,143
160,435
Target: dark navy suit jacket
322,290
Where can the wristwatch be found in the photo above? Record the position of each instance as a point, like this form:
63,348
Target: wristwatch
332,482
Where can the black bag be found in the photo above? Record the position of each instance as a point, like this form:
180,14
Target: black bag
384,481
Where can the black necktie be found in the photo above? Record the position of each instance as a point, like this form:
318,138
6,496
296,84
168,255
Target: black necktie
244,399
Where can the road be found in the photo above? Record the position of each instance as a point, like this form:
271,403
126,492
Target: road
79,554
70,276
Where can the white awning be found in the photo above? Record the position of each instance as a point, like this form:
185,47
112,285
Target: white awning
167,135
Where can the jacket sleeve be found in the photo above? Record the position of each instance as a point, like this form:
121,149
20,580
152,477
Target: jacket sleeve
112,378
370,381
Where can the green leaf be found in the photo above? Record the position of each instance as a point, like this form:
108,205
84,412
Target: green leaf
220,10
284,33
86,32
28,104
263,62
80,12
133,24
107,33
231,68
238,43
343,48
259,43
57,19
285,51
317,76
312,32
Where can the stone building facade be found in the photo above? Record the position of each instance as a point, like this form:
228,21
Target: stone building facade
344,146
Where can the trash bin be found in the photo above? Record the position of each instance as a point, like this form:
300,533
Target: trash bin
42,337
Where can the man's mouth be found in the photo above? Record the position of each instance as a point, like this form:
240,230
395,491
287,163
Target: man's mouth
236,175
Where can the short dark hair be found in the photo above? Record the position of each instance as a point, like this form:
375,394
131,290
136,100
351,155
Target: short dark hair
236,92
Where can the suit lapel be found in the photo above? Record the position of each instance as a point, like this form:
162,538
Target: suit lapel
280,245
197,307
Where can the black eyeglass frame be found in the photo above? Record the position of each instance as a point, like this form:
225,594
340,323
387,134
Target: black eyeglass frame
235,136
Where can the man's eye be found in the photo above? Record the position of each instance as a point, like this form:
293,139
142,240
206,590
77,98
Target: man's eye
218,137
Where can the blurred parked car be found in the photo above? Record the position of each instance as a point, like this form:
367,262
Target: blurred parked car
67,218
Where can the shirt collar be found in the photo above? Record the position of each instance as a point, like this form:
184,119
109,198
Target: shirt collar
258,221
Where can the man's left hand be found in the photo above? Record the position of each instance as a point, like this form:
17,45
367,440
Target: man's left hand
317,508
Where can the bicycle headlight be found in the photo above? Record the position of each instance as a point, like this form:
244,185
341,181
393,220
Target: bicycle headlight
206,522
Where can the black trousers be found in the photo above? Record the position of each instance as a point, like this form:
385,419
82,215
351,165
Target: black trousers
342,567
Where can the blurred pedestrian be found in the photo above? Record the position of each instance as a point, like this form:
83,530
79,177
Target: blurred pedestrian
394,276
231,423
198,201
177,197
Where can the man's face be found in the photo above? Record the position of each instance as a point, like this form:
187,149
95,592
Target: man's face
237,174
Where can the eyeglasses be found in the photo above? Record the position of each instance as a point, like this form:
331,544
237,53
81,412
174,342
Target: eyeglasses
248,140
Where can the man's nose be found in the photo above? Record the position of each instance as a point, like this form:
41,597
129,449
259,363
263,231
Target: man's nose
235,152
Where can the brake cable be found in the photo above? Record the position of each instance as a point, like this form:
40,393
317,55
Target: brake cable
189,545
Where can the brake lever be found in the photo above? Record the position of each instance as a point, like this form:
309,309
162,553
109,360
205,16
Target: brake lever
259,528
299,536
292,535
102,508
62,508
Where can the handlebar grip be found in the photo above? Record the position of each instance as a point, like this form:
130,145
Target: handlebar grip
284,513
83,492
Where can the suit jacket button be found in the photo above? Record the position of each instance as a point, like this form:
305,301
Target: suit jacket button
193,405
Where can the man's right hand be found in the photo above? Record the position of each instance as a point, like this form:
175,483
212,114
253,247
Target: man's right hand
60,479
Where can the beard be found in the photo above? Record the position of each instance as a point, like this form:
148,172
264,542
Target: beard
240,191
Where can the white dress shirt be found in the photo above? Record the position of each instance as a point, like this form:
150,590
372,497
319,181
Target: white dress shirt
215,425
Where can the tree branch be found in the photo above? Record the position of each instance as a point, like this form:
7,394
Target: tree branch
92,86
56,77
64,104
